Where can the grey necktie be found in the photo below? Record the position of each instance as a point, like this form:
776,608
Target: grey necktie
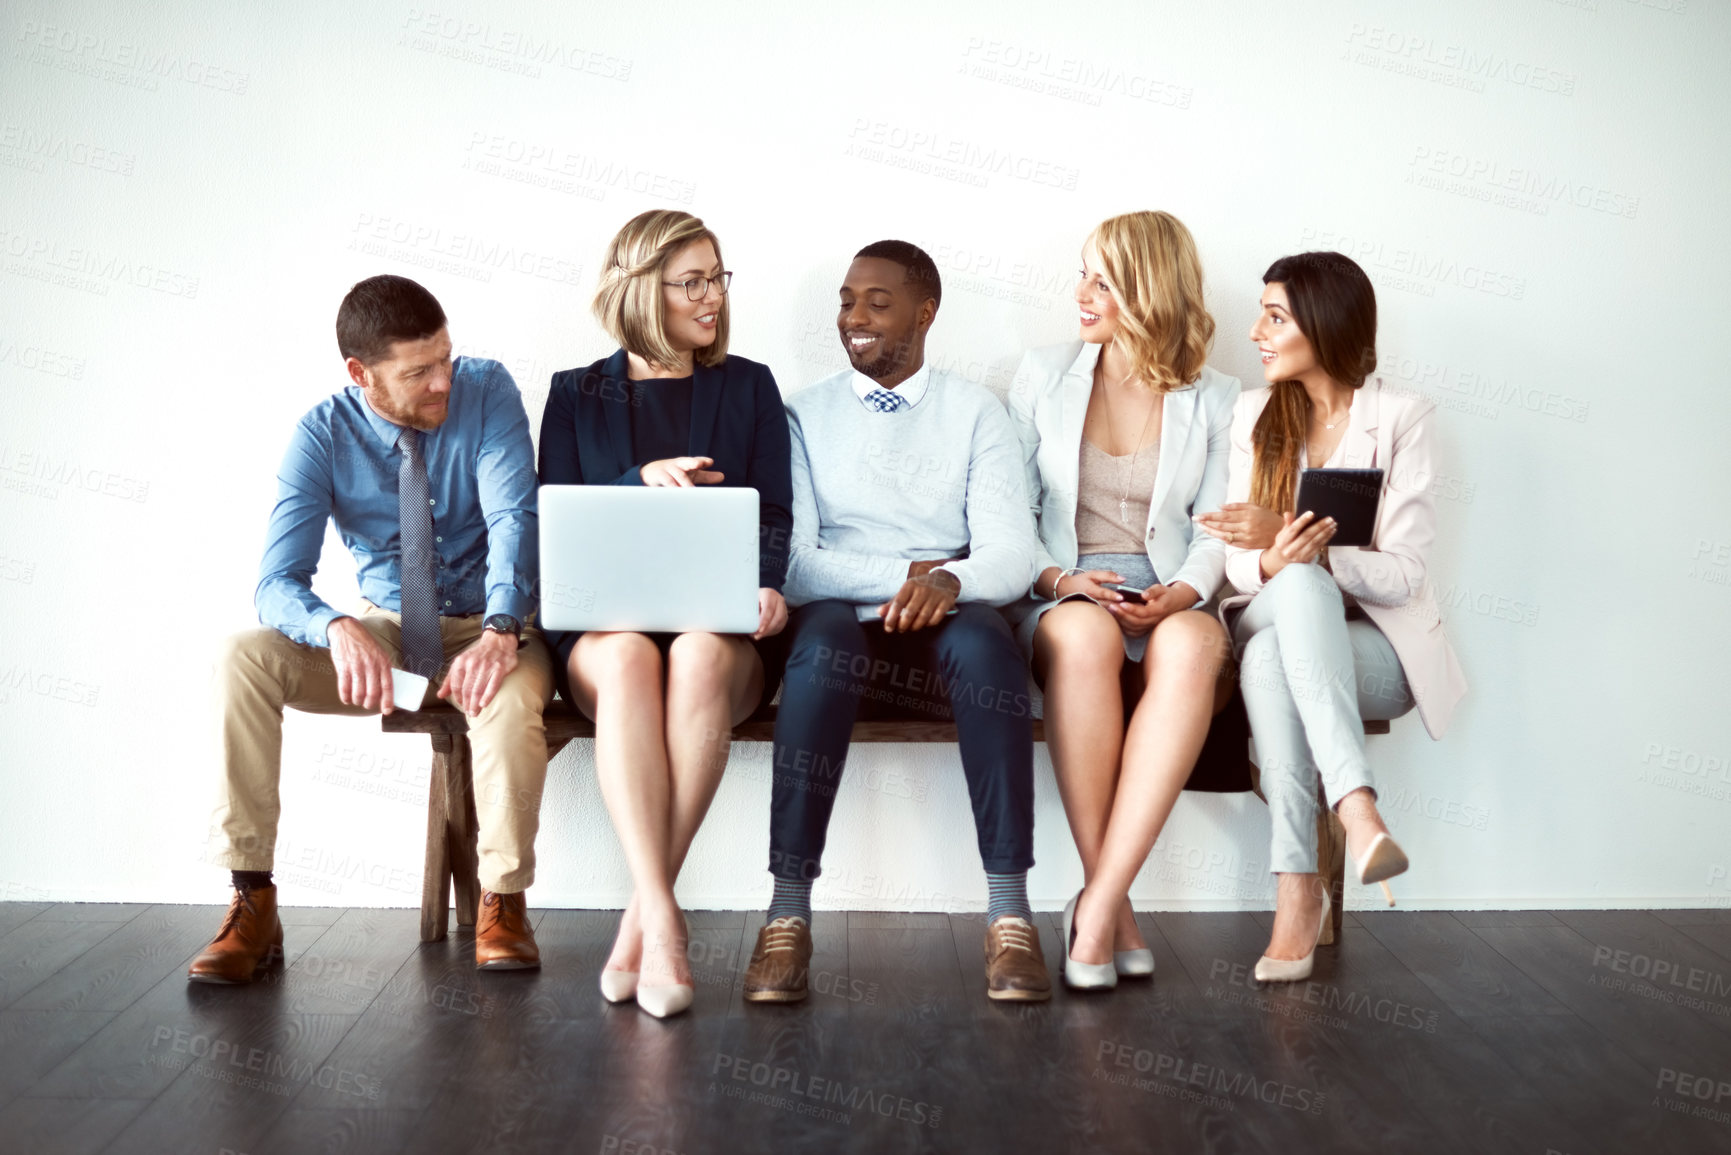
423,649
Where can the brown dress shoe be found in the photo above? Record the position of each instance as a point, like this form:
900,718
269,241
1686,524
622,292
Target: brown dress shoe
1015,969
779,963
504,940
250,938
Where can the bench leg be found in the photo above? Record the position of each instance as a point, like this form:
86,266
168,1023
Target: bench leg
464,832
1331,865
436,873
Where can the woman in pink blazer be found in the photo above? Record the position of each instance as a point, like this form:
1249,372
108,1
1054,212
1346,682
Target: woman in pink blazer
1327,637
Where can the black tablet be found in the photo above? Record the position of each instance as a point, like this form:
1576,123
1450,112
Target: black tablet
1350,496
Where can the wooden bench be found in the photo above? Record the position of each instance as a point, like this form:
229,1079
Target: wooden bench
451,859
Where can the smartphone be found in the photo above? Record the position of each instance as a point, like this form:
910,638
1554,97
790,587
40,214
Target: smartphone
1131,593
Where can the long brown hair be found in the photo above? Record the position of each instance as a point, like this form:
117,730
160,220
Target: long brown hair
1334,306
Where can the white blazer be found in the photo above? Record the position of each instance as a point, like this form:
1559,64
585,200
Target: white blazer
1391,432
1048,401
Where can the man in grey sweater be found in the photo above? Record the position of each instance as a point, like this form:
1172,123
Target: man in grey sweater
910,525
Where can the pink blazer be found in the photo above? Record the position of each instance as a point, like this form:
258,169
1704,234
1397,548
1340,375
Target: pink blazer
1391,432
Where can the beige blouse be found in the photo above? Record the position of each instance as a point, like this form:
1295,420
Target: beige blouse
1101,525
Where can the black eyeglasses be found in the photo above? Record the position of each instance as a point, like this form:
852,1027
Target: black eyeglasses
697,288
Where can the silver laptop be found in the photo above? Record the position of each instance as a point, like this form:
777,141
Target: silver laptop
617,557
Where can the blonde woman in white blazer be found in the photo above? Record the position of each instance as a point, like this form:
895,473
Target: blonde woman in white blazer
1125,436
1328,637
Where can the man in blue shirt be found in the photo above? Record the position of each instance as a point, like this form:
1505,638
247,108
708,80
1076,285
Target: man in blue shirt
425,466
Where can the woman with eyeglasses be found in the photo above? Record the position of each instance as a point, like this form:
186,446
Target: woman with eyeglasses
670,408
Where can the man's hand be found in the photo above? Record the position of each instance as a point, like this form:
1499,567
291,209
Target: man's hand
771,613
477,673
1242,524
679,472
363,667
922,568
922,601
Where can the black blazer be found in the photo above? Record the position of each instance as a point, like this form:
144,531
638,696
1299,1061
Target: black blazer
737,418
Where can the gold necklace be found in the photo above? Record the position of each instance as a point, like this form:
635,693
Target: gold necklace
1130,474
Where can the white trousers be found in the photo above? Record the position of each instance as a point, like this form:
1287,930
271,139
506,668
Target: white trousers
1310,679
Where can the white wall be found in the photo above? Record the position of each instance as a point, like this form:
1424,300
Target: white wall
1536,187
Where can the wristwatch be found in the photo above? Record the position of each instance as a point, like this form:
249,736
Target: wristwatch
505,624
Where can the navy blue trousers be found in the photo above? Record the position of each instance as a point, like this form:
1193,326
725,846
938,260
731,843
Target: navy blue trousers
840,669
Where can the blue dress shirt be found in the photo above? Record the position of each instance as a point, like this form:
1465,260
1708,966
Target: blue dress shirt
342,464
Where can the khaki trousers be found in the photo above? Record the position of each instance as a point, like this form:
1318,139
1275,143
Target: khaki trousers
261,671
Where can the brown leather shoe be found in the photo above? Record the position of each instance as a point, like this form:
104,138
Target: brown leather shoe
1015,968
779,963
504,940
250,938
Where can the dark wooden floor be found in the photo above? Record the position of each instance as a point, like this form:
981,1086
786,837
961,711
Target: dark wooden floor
1570,1031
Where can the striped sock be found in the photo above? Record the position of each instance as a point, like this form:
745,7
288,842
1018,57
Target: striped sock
1008,895
792,900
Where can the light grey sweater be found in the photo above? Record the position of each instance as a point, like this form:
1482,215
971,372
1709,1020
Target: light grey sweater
874,491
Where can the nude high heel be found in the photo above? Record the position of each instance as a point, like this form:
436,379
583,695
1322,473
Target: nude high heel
618,986
662,1001
1383,859
1290,970
667,999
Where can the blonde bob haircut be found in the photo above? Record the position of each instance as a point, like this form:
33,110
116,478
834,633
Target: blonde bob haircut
629,301
1150,260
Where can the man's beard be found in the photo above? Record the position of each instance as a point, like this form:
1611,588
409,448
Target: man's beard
892,355
383,406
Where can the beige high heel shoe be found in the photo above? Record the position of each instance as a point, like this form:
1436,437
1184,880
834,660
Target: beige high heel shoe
666,999
1292,970
662,1001
1383,859
618,986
